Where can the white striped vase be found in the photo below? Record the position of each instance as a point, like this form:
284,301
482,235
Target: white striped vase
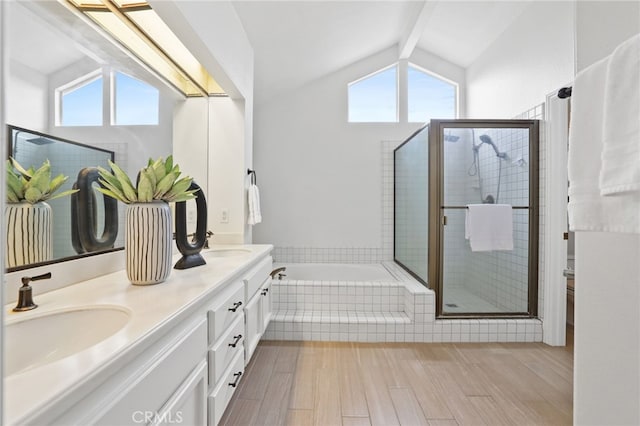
148,242
28,234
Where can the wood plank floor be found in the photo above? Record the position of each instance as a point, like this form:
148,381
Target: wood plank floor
436,384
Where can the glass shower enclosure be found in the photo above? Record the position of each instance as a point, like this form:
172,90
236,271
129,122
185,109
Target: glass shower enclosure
439,172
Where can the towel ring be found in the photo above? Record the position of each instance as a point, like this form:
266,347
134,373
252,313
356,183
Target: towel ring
254,178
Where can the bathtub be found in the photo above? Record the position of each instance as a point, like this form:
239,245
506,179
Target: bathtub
336,272
345,302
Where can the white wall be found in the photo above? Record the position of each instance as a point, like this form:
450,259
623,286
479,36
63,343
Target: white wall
320,177
533,57
27,95
607,294
601,26
214,34
227,169
191,148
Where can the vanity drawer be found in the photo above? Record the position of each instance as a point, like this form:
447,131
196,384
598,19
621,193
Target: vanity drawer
223,312
221,395
224,350
256,277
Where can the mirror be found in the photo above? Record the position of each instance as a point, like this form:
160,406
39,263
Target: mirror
31,148
67,82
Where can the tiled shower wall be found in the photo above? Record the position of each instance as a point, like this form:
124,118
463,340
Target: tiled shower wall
66,157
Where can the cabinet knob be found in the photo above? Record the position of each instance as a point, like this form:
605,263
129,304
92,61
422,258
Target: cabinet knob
235,382
235,306
235,342
264,292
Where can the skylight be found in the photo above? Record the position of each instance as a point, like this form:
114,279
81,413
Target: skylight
137,27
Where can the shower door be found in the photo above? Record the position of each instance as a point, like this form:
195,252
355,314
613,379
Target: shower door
483,162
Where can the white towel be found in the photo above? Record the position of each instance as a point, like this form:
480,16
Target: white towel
620,170
588,210
253,196
489,227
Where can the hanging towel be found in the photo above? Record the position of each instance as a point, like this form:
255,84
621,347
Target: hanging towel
588,210
620,170
253,194
489,227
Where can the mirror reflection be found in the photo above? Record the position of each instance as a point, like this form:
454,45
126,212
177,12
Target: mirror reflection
70,89
31,149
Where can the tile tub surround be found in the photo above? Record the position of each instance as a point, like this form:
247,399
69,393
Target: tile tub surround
374,311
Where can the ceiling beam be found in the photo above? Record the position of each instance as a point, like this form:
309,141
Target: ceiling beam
409,42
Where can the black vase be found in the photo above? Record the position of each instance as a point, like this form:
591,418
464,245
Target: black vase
84,215
191,249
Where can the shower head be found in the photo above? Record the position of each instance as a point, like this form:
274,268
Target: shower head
451,138
40,141
487,139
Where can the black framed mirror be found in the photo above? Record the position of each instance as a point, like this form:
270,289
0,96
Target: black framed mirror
91,210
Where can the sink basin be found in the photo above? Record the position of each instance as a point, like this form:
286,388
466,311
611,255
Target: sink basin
49,337
226,252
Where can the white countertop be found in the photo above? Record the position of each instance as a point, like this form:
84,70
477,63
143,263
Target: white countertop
153,309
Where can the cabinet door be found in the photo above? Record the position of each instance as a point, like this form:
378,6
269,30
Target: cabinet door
265,294
253,325
188,405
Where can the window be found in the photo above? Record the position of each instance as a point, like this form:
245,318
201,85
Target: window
132,101
429,96
375,98
136,102
81,102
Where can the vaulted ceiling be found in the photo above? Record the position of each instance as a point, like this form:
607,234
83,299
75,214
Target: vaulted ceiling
296,42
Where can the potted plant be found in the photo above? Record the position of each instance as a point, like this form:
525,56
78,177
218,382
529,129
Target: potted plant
148,233
27,215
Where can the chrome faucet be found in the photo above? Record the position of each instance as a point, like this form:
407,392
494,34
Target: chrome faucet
25,295
279,272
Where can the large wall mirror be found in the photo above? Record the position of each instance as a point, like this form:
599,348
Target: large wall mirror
69,216
67,83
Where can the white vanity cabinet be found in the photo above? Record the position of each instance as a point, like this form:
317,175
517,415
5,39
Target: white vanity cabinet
225,352
258,310
186,358
165,382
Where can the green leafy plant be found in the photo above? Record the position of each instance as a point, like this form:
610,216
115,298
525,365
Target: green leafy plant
159,180
33,185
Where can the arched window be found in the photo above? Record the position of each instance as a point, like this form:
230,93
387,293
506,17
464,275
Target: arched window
374,98
132,102
429,96
80,102
135,103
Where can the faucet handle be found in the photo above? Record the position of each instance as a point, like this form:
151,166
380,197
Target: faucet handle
27,280
25,295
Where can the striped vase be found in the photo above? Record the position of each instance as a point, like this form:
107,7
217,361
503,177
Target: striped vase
28,234
148,242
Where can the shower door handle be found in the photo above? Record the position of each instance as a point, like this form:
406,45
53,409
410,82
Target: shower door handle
444,220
